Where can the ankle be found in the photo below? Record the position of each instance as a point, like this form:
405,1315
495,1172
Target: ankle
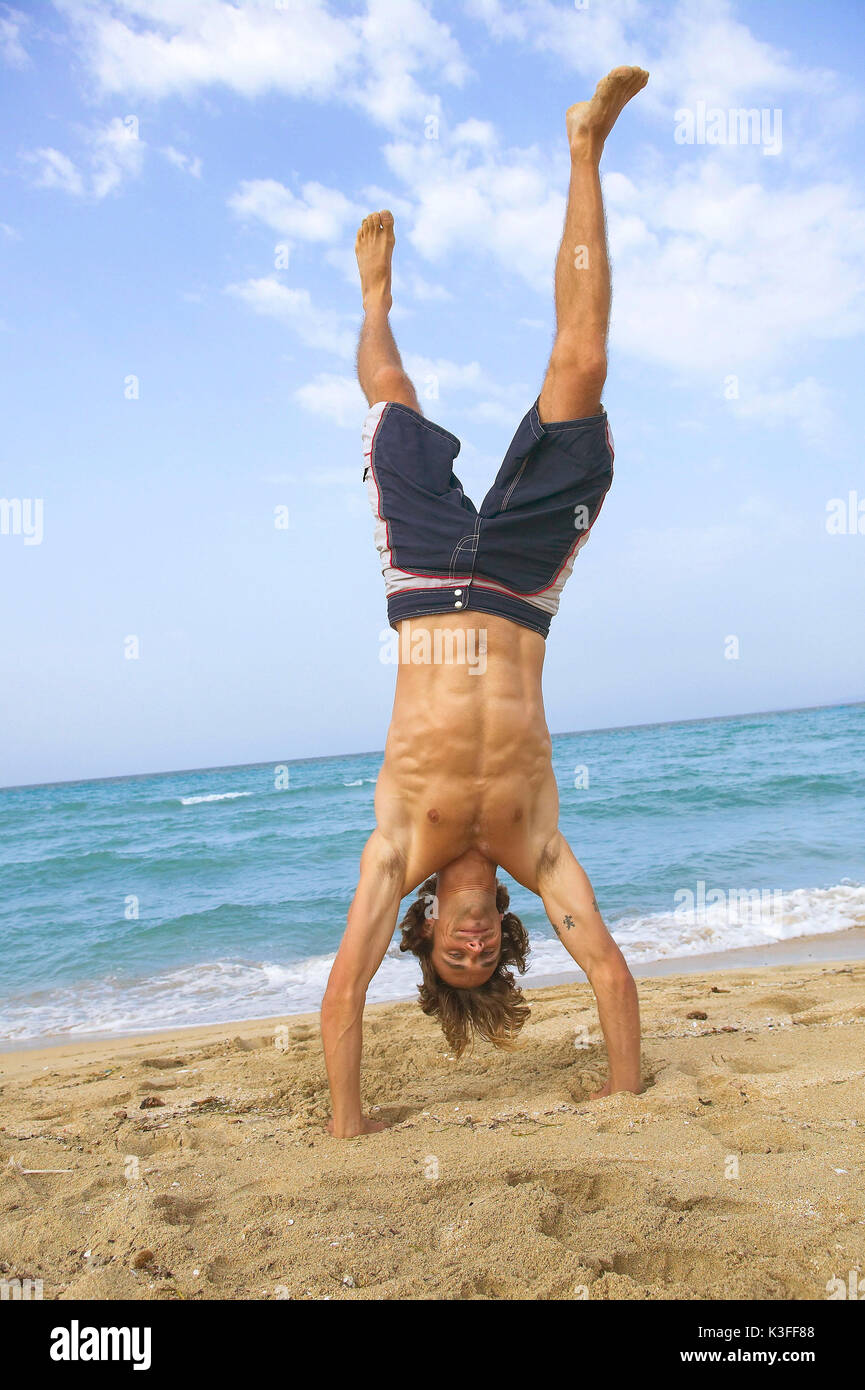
377,302
586,149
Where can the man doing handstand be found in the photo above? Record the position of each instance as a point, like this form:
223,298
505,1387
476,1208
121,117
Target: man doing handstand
467,783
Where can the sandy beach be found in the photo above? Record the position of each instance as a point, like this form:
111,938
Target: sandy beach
195,1165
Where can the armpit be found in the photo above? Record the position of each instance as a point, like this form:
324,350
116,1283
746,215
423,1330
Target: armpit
549,857
383,857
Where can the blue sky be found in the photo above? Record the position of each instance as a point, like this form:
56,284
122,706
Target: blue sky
170,377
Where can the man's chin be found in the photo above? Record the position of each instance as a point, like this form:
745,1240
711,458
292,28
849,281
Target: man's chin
461,981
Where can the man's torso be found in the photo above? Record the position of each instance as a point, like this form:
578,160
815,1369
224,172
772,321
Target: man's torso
467,763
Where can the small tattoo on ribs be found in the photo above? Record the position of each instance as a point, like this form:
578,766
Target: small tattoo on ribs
568,923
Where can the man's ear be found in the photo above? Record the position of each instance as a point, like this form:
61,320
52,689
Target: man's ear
428,927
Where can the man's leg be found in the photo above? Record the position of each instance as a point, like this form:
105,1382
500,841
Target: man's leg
578,363
379,365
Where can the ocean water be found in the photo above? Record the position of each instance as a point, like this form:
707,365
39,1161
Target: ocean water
205,896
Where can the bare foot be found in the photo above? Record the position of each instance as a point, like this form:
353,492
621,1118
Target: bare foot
610,1090
590,122
366,1126
374,251
604,1091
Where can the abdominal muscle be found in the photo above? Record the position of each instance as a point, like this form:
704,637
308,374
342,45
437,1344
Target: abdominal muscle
467,761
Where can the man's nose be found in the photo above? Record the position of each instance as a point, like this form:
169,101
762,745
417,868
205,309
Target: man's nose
476,946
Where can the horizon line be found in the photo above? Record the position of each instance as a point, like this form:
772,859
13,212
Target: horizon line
368,752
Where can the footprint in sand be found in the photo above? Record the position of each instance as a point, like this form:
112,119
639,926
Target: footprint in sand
302,1033
754,1067
690,1268
176,1210
785,1003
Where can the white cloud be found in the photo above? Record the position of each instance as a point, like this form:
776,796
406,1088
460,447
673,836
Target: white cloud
436,380
337,398
114,152
694,50
408,285
343,259
498,412
181,46
401,38
475,132
806,405
375,60
376,197
510,204
55,170
12,25
117,154
503,21
423,290
320,214
190,164
440,378
707,54
431,373
318,328
715,275
722,264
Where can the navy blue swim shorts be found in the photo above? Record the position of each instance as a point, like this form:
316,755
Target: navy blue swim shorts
439,554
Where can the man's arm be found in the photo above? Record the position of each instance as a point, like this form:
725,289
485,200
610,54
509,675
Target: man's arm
576,918
371,921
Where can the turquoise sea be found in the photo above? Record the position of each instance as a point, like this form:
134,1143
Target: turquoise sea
204,896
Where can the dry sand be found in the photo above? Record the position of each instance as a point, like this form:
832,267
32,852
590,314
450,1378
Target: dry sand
498,1178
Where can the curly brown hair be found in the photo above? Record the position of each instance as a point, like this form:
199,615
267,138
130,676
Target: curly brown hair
495,1010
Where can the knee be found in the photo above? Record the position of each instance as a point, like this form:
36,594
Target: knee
579,363
392,384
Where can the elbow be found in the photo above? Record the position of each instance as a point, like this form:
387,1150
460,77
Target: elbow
343,1001
611,974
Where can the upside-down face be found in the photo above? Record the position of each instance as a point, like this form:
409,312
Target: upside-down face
467,937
